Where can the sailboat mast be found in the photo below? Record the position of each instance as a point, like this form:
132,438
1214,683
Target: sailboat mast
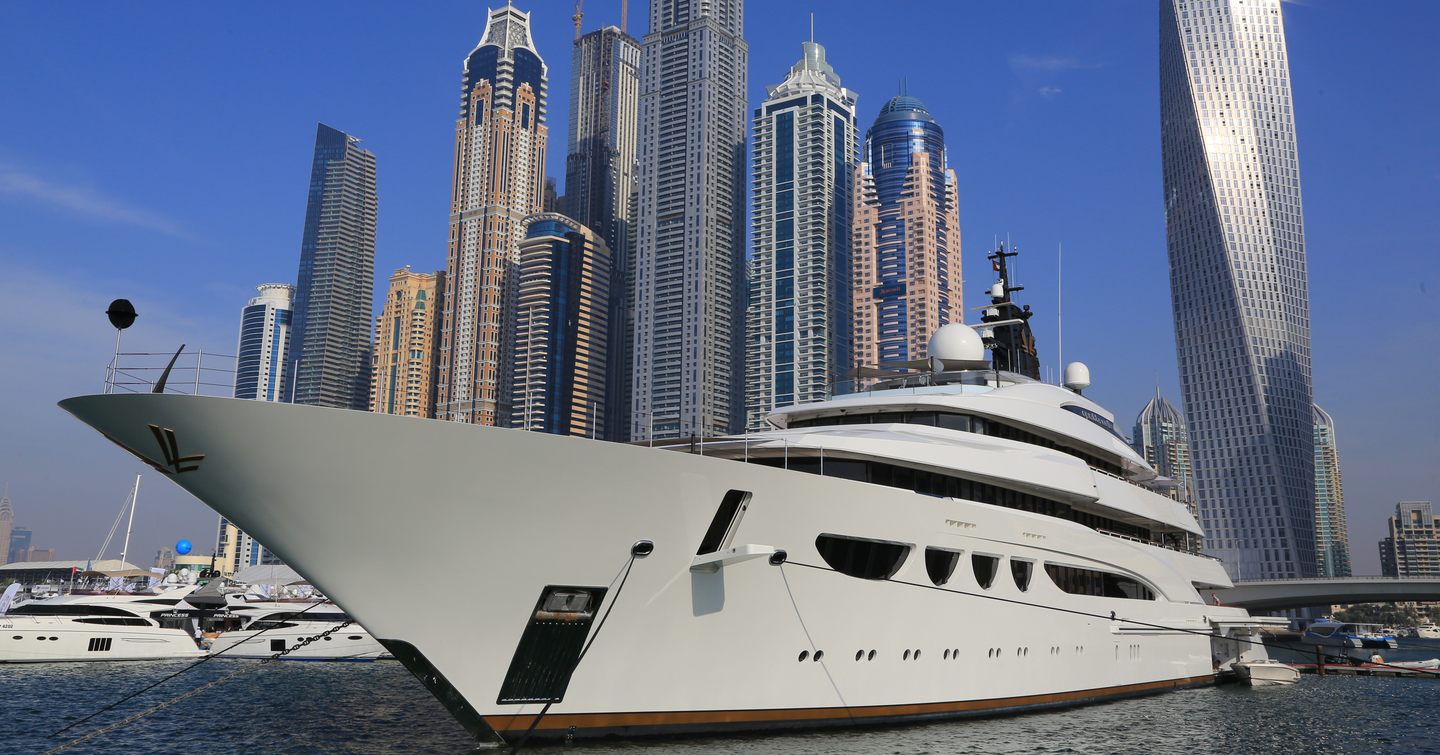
130,526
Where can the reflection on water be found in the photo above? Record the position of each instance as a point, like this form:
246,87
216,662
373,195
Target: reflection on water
379,707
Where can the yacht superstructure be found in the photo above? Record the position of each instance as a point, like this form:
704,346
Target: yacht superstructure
954,541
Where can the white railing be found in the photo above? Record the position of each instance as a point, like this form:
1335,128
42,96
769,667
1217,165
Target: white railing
196,372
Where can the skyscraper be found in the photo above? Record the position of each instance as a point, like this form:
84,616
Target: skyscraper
407,345
599,181
18,543
499,180
7,525
331,330
1332,534
1163,440
562,310
1238,280
235,550
906,253
797,324
264,350
1412,549
689,281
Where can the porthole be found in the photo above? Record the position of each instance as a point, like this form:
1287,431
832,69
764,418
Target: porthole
818,655
907,655
990,653
870,656
40,638
985,568
54,639
940,564
859,654
947,654
803,655
18,637
327,639
917,655
354,637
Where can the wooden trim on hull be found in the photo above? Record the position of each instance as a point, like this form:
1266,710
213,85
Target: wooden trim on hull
658,723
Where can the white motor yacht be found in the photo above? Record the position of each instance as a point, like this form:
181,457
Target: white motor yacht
94,628
269,627
958,541
1427,632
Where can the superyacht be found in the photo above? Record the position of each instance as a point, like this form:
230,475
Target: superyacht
956,538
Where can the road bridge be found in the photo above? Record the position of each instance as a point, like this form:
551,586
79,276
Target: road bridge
1280,594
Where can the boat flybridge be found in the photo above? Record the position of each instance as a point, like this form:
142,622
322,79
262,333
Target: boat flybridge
953,540
119,627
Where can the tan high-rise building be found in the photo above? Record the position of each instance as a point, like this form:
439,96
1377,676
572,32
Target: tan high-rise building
499,180
407,342
905,250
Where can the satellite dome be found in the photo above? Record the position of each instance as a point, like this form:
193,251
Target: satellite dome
958,342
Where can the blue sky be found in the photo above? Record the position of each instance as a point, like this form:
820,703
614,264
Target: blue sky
161,152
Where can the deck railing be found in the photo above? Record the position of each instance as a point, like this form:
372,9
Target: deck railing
196,372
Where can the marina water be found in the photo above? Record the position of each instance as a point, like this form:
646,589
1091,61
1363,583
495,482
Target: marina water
380,708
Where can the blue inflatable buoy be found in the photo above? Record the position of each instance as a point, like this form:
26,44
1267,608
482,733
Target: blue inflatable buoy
183,547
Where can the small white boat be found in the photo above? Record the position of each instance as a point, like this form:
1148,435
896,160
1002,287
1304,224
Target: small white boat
1426,665
1266,672
1428,632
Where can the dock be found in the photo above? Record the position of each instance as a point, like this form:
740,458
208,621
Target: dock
1367,669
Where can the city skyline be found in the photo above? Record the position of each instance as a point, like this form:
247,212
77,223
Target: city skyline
1112,386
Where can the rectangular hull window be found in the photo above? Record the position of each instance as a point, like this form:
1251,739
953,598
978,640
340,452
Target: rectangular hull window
862,557
1101,584
551,645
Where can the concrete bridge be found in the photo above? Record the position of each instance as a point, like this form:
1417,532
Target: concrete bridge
1279,594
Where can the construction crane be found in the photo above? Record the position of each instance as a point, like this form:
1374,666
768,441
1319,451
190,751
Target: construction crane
576,18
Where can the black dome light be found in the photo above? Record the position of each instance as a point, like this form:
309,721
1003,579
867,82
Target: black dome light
121,313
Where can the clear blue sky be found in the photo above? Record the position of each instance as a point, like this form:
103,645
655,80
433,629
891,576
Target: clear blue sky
161,152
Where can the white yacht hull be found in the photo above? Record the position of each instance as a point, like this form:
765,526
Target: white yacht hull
349,644
45,639
361,503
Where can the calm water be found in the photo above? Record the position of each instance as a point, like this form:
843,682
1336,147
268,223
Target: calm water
379,707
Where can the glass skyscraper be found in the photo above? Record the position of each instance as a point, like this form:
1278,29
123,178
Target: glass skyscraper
600,184
264,346
906,279
689,277
331,329
1332,533
561,332
798,321
499,180
1238,280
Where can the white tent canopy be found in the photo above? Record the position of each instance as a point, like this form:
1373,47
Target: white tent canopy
267,574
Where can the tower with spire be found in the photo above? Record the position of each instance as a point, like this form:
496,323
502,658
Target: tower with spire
499,180
1162,437
797,323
